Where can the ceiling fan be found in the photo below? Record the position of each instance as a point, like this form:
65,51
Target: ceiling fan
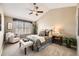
35,10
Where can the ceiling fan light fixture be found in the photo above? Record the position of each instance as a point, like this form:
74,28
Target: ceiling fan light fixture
35,10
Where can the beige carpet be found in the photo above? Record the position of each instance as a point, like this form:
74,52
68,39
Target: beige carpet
50,50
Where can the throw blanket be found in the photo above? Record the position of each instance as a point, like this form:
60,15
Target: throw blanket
36,37
37,41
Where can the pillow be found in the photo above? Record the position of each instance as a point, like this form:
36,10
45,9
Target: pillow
46,32
51,33
42,33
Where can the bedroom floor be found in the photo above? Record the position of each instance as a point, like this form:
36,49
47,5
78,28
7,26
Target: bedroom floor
49,50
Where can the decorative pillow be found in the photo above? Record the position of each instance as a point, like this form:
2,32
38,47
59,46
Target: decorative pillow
51,33
46,32
25,40
42,33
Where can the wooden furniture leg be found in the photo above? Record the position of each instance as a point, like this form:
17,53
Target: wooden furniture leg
25,50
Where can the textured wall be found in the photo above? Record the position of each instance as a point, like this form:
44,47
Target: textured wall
62,17
8,20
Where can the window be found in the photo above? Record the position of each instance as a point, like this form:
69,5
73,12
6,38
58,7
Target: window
22,27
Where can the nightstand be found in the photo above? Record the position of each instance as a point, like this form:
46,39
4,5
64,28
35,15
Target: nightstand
57,39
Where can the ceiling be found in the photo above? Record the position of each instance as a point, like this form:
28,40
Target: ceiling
21,10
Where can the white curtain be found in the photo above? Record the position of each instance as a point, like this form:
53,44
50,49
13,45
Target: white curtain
21,27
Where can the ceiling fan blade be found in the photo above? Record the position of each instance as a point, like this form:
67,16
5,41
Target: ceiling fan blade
34,3
30,13
28,9
39,11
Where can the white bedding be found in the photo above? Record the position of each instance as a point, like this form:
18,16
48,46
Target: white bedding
36,37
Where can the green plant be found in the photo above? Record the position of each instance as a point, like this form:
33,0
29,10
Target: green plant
35,27
73,41
69,41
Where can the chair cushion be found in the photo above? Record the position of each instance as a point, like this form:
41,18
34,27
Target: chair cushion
26,44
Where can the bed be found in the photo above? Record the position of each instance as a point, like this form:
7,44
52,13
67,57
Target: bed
38,40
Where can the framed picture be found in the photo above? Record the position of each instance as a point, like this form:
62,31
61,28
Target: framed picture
0,22
9,25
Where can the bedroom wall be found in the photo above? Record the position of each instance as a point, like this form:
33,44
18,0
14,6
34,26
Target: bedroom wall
2,30
62,17
8,20
77,36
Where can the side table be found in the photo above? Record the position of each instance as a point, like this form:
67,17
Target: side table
57,39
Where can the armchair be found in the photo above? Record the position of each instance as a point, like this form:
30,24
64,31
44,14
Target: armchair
11,37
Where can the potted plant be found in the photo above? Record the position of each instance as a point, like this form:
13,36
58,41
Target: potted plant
67,41
73,42
35,27
70,41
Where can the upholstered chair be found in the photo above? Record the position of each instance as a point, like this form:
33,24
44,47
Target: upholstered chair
11,37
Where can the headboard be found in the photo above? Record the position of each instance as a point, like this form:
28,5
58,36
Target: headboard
46,32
